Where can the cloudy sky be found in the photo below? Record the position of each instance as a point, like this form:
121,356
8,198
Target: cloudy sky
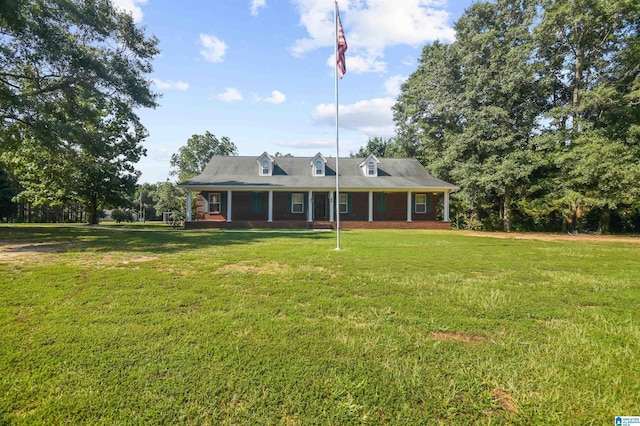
261,71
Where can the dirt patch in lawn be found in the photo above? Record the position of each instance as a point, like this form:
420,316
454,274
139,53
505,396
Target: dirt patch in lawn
555,237
252,268
505,400
19,252
458,337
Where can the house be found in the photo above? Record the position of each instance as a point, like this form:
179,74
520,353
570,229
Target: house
285,192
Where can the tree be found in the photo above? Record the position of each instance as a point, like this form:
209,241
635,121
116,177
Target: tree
590,53
57,54
72,74
8,208
380,147
470,109
170,198
192,158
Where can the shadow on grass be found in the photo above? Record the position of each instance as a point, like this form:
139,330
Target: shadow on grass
81,238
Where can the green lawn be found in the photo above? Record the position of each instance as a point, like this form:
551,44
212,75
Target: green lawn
149,326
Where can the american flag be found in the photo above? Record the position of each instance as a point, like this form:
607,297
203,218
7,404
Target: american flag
342,48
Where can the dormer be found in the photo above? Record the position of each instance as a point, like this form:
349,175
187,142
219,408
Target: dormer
370,166
318,165
265,164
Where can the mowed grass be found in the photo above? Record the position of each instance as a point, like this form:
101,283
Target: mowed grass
399,327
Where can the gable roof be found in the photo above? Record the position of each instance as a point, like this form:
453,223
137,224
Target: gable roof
293,172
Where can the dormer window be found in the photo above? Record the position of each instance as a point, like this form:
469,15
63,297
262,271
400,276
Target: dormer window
265,165
370,166
318,164
266,168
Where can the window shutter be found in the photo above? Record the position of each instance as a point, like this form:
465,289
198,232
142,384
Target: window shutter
429,203
289,202
349,203
223,202
306,202
382,202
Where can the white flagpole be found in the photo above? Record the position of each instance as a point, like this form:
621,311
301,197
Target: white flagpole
337,199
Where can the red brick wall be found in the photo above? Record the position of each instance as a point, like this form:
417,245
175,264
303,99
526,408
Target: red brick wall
242,200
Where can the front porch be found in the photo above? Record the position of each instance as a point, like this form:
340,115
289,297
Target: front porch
226,208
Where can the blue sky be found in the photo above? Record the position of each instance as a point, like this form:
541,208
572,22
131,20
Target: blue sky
261,71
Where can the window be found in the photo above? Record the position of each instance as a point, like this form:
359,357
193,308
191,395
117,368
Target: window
265,168
318,170
344,203
371,168
297,203
421,203
214,203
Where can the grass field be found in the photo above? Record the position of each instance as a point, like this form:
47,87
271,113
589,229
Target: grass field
155,326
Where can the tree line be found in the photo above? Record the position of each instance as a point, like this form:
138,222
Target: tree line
534,111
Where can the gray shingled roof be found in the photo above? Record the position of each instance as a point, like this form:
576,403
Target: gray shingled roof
296,172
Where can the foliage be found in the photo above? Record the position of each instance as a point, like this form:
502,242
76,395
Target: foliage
533,111
8,190
380,147
72,74
169,198
122,215
104,326
195,155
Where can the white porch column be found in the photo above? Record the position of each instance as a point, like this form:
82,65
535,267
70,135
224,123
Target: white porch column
188,218
331,209
310,207
409,207
229,201
446,207
370,206
270,213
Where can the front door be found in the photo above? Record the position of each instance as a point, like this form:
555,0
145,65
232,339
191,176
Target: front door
319,206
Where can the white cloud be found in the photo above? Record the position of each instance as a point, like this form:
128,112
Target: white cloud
170,85
371,26
131,7
392,85
213,49
256,5
360,63
372,117
276,98
230,95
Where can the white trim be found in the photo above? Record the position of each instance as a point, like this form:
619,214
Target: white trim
409,206
446,207
331,208
300,203
229,200
209,201
346,203
265,161
322,162
259,188
270,211
370,206
188,209
416,204
310,207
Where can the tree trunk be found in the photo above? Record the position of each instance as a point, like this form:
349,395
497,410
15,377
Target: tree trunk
93,211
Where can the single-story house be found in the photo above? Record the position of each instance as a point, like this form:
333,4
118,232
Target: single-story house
267,191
